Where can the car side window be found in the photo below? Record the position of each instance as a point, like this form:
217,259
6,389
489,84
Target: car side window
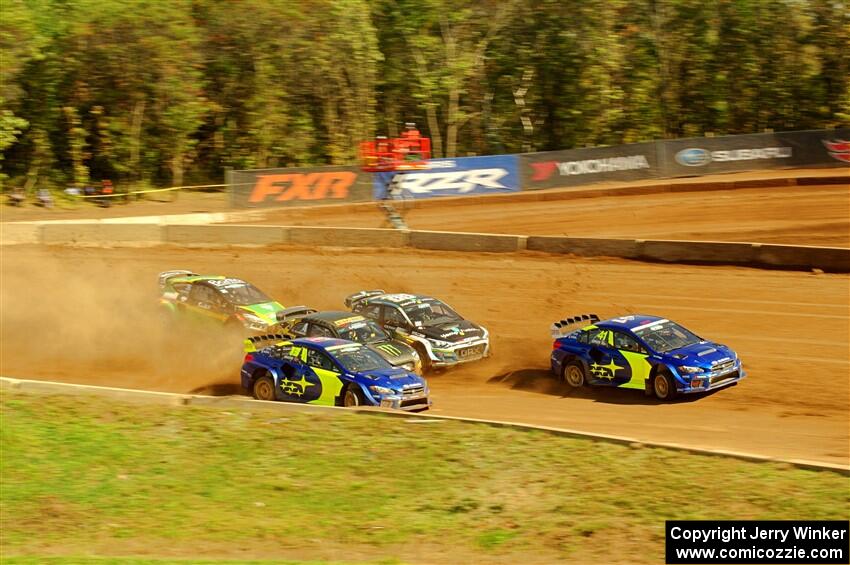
394,317
319,331
316,358
600,338
201,293
372,311
300,328
627,343
582,337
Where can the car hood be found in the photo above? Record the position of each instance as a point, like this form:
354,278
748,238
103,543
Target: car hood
266,311
703,354
396,352
453,332
394,378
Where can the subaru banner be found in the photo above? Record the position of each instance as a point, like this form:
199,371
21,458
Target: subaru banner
573,167
458,176
705,155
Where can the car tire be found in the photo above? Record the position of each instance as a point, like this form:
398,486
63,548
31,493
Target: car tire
263,388
664,386
574,374
353,397
423,357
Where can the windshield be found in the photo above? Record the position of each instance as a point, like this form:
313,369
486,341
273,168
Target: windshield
363,331
244,294
430,313
359,359
666,336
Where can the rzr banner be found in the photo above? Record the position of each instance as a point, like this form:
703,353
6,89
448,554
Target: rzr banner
299,187
706,155
573,167
460,176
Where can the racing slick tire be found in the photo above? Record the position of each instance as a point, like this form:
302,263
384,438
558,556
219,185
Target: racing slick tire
263,388
574,374
664,386
353,397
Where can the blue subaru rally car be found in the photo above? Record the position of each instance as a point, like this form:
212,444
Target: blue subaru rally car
648,353
334,372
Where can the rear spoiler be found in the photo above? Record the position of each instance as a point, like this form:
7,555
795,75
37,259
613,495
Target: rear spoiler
166,275
352,299
256,342
294,312
557,328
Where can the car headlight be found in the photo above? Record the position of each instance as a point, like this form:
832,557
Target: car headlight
439,344
409,366
687,370
382,390
254,319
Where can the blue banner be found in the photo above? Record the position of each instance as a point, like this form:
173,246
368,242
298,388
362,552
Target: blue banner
460,176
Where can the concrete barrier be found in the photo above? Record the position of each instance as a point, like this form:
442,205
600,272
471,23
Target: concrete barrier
830,259
225,234
710,252
585,246
101,234
455,241
17,233
348,237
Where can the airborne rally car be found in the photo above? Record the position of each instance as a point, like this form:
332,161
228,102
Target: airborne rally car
438,333
334,372
353,327
647,353
221,299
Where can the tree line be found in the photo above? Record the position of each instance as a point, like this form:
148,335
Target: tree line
163,92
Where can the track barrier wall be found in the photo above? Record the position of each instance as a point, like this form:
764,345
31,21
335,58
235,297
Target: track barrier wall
829,259
133,396
473,176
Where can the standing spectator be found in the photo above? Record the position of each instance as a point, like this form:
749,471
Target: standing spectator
17,197
44,198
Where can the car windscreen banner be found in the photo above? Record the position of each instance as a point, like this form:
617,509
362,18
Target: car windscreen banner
707,155
556,169
306,186
458,176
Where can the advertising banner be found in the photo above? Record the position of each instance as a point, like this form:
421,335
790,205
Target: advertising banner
299,186
573,167
459,176
707,155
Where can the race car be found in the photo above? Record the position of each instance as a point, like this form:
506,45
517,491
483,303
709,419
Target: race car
353,327
324,370
648,353
440,335
225,300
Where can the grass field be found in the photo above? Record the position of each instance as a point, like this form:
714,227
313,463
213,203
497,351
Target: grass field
86,480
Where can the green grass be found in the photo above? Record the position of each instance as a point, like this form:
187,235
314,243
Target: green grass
85,479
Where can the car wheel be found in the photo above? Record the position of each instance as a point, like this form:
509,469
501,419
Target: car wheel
664,386
353,397
423,357
574,374
264,388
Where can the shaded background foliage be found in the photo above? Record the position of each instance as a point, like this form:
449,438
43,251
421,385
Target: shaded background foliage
173,91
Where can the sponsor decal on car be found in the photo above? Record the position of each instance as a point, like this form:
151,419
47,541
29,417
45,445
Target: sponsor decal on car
303,186
545,169
838,149
698,157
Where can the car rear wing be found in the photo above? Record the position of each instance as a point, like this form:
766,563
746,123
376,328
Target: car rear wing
294,312
257,342
558,327
352,299
166,275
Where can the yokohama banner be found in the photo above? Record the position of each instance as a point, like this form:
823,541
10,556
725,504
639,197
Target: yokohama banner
299,187
706,155
552,169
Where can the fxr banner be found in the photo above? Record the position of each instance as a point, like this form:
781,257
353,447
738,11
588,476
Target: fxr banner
302,186
573,167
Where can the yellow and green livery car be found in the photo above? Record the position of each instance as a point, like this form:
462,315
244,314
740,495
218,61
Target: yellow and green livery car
226,300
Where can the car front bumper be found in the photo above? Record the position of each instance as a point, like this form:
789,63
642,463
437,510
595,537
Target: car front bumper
461,353
712,381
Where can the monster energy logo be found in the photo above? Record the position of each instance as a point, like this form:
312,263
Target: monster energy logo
293,387
390,349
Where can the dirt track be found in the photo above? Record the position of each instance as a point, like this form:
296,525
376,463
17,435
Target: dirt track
809,215
86,315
